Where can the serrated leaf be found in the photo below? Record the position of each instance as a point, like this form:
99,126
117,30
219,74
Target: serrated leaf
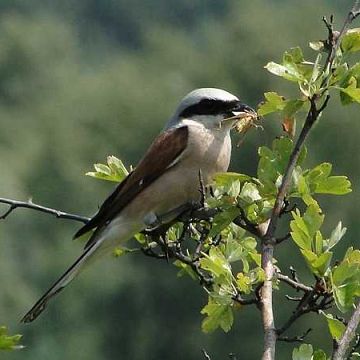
217,315
303,352
335,326
335,185
352,91
273,103
351,40
320,181
216,263
345,280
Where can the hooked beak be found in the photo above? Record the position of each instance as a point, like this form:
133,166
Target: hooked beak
241,111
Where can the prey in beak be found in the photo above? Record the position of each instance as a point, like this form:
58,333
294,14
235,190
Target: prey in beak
243,118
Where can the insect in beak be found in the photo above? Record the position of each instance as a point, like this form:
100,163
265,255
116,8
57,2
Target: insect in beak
244,117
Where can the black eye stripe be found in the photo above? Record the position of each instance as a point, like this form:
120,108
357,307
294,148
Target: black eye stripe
209,107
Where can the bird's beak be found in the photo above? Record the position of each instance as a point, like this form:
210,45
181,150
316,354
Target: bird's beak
241,112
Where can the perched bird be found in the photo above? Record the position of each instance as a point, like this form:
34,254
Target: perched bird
196,138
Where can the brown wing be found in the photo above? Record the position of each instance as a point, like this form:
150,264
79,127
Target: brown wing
162,154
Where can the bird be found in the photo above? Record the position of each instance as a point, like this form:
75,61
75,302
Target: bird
196,138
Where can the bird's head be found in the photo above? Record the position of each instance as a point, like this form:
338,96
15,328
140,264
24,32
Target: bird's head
212,108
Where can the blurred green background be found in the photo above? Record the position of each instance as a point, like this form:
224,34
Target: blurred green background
80,80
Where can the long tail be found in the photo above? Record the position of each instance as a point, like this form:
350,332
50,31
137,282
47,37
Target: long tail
60,284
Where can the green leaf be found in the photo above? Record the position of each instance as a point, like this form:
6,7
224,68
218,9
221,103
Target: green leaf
222,220
117,167
319,355
272,163
292,107
320,181
351,41
293,56
345,280
352,91
318,264
119,251
340,74
288,71
305,227
224,179
217,265
249,193
9,342
244,283
336,235
233,250
273,103
335,185
336,327
113,171
185,270
304,352
217,315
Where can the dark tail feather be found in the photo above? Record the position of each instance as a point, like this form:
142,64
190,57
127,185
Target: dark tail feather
59,285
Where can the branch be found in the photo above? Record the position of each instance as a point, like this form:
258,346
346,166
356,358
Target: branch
294,284
14,204
310,302
299,338
269,240
348,336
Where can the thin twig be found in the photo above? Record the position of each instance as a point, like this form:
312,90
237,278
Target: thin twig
206,355
349,334
299,338
294,284
14,204
310,302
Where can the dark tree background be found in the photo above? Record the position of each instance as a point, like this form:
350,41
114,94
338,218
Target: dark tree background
80,80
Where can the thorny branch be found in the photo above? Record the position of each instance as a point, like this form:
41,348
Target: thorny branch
14,204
